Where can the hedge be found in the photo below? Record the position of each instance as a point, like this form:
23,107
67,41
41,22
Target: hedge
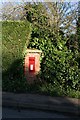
15,35
59,68
15,38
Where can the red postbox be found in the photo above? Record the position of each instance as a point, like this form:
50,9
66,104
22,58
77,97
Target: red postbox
31,64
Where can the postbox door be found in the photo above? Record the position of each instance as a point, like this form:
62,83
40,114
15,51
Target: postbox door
31,64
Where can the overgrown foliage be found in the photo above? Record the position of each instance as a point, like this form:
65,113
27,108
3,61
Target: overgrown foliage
78,24
78,33
15,37
60,72
59,67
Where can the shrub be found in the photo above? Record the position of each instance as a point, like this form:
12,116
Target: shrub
15,39
15,36
59,65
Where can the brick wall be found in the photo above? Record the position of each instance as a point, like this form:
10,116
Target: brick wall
32,76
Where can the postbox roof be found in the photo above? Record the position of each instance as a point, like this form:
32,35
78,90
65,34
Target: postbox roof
33,51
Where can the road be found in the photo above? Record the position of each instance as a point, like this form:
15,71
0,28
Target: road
27,113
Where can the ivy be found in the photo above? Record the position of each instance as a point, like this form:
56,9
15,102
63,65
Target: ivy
59,64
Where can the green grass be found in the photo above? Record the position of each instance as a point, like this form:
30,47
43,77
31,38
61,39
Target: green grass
21,86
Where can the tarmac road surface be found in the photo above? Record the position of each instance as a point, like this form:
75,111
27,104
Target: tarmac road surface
29,113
